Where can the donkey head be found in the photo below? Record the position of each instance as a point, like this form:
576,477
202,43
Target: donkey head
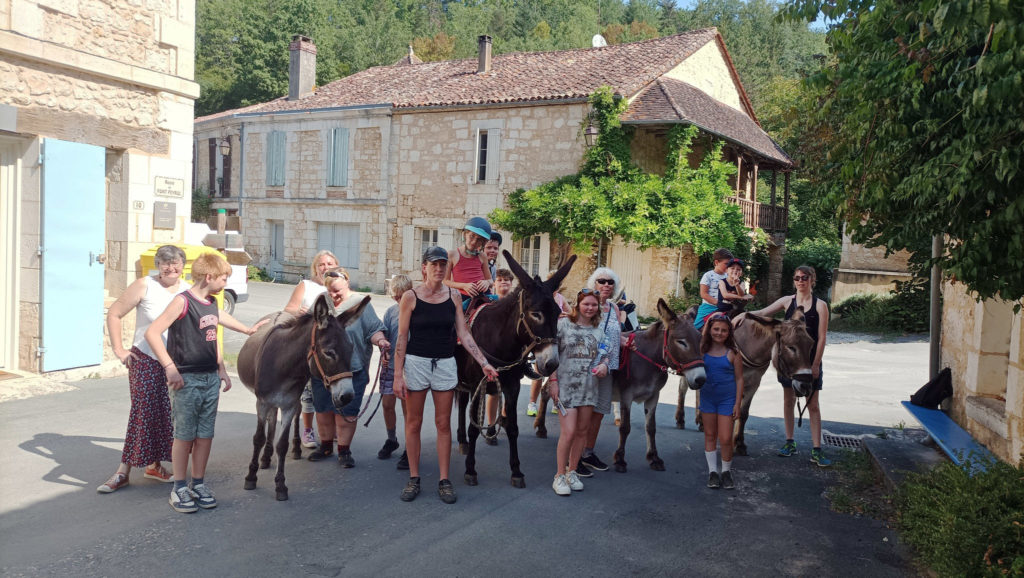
332,350
682,344
540,311
793,353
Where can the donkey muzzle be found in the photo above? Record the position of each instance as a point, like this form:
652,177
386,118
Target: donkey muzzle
546,359
342,392
695,378
803,382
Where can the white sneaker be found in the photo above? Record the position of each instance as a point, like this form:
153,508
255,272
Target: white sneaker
308,439
531,409
575,484
561,486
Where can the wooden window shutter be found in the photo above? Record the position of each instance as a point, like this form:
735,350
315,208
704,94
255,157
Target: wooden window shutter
337,172
275,158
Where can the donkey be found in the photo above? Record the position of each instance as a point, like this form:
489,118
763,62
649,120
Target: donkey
276,362
525,321
783,343
669,343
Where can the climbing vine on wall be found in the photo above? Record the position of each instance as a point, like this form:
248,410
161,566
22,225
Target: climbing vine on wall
611,196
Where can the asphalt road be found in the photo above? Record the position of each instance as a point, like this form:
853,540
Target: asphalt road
57,448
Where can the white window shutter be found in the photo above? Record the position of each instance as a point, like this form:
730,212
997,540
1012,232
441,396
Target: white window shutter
409,256
545,256
338,170
493,155
476,158
446,238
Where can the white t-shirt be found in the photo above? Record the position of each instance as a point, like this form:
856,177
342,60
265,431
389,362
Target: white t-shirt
310,292
711,279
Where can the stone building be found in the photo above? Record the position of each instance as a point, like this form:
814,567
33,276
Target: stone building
867,270
96,110
983,345
381,164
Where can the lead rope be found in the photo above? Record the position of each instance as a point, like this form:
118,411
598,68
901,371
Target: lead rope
800,420
380,364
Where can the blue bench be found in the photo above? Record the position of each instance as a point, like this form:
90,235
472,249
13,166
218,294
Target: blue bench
953,439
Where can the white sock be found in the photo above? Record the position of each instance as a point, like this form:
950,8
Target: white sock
712,458
726,466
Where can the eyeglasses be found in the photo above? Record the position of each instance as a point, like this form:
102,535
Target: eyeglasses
336,275
801,277
605,281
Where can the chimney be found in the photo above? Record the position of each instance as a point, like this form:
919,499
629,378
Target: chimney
301,67
484,45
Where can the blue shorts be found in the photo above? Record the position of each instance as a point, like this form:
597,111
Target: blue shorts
788,383
717,404
194,406
322,397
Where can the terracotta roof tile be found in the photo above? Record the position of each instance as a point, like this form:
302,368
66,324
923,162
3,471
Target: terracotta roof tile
672,101
514,77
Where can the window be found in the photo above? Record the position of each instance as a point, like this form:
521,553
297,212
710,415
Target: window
428,238
481,156
337,158
529,254
277,241
342,239
275,158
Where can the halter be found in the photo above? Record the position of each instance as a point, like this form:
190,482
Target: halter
674,366
314,354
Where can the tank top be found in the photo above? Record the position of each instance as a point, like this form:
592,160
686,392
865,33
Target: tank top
467,270
432,329
724,305
811,318
153,303
192,338
311,290
721,375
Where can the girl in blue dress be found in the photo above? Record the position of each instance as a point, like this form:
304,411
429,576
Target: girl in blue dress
720,397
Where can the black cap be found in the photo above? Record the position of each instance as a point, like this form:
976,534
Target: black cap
736,262
435,253
496,236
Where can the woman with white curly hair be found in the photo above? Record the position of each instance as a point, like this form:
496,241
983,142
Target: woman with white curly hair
607,285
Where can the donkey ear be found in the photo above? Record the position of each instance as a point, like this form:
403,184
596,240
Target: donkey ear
691,314
769,323
351,315
666,313
556,280
798,315
517,270
323,310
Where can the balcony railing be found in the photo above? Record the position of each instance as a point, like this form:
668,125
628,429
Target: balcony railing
770,218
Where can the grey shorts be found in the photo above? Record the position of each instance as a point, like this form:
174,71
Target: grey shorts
194,406
307,399
423,373
604,395
387,385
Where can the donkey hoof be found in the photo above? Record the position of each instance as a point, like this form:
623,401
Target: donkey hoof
464,448
250,485
680,425
296,455
740,450
542,434
265,465
700,427
471,480
281,495
658,465
518,481
620,467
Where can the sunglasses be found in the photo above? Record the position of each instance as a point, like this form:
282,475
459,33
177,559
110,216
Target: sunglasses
587,291
605,281
802,278
336,275
719,317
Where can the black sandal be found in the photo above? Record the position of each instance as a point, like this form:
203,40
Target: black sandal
323,452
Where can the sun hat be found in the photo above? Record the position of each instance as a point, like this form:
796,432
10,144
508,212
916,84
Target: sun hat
479,226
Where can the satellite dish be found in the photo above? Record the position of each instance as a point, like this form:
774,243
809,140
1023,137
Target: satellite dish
598,41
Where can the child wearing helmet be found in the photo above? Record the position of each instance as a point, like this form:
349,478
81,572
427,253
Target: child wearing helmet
468,271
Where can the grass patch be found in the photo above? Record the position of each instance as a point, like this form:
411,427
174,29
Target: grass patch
858,490
965,526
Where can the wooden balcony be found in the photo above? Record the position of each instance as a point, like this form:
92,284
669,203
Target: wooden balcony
770,218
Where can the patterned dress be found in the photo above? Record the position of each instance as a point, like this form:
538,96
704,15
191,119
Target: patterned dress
577,352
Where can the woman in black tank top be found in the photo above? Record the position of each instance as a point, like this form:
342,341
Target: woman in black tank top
816,319
429,318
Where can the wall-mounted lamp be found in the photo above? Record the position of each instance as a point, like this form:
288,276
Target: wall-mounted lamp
590,134
225,146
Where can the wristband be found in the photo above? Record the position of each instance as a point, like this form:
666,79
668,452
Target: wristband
168,365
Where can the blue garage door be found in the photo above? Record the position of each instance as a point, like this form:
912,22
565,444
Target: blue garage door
73,238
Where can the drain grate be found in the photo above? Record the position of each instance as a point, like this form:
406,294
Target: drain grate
841,441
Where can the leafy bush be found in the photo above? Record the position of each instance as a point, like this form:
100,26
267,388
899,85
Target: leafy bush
962,525
258,273
822,254
854,304
689,297
201,205
904,310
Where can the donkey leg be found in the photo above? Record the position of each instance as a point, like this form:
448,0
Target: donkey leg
258,439
470,445
463,399
540,422
296,441
680,407
512,431
268,448
287,415
650,407
625,404
739,440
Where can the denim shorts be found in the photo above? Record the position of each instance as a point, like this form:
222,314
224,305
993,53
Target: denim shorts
387,385
423,373
307,399
322,402
194,406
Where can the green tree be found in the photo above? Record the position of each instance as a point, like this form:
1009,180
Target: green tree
925,128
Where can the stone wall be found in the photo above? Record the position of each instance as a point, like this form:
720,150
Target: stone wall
983,345
867,270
